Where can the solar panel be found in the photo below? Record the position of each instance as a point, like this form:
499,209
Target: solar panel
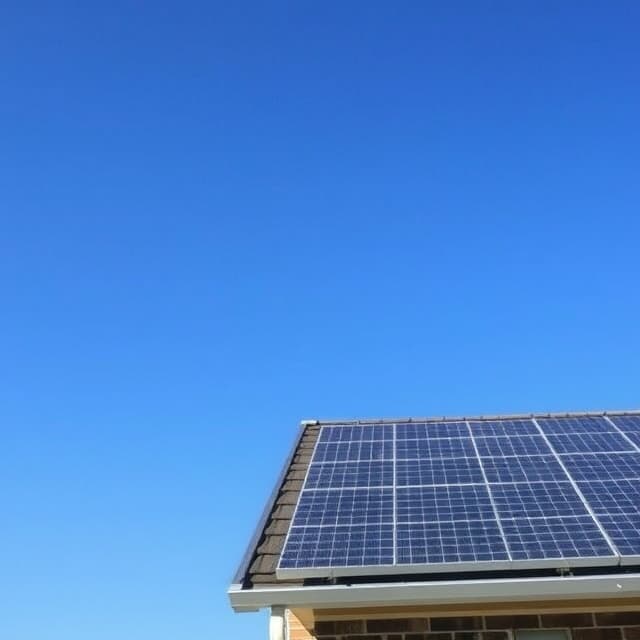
434,448
504,428
627,423
512,446
357,546
353,451
366,473
422,430
612,496
562,538
586,424
437,543
436,471
634,436
443,503
355,433
624,531
344,507
537,500
464,496
589,442
603,466
523,469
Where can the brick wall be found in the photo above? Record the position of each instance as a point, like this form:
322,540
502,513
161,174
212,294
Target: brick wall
580,626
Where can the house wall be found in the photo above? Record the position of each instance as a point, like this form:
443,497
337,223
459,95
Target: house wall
374,625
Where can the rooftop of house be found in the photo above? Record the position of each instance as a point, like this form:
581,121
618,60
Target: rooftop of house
258,569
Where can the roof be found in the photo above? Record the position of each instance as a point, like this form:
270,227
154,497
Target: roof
257,571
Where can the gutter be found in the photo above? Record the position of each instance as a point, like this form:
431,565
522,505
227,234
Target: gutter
436,592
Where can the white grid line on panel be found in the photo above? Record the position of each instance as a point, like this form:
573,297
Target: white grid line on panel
622,433
580,494
493,504
395,501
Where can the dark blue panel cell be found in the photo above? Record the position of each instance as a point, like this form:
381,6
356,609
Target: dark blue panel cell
436,542
504,428
523,469
438,471
344,507
585,424
435,504
435,448
624,531
612,497
589,443
627,423
537,500
634,436
357,546
349,433
539,538
348,451
370,473
512,446
421,430
603,466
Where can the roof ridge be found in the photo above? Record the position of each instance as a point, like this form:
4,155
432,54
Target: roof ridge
513,416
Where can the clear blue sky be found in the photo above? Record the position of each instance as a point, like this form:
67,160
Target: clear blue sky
216,221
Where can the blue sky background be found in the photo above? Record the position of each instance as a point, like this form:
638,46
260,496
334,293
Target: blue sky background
217,220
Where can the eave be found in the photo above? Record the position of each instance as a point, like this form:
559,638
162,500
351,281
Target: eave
437,592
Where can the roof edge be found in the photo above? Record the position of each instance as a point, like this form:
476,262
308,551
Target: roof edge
250,551
497,416
436,592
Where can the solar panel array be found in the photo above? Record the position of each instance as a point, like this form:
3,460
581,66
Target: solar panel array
468,495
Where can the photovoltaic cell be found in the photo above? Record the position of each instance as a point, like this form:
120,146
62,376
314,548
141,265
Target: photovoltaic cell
370,473
450,542
589,442
444,503
534,538
438,471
